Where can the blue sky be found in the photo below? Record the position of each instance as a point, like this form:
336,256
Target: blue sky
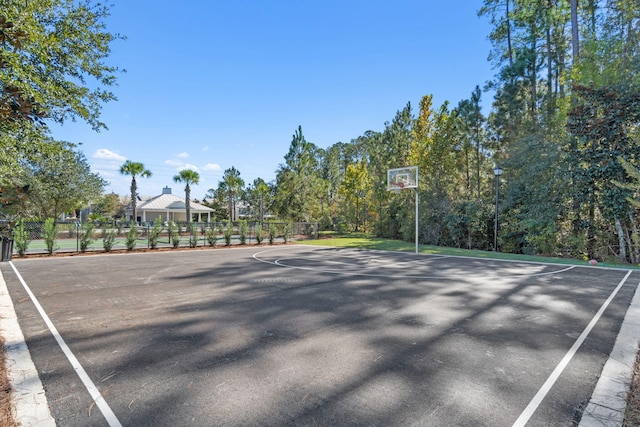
215,84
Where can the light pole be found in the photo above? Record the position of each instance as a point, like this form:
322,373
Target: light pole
497,171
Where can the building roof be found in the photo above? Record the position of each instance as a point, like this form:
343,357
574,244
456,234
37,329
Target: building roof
166,202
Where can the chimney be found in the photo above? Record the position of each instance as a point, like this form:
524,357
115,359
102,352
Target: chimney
166,190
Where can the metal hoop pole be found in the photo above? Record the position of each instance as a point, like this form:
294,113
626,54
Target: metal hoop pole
416,190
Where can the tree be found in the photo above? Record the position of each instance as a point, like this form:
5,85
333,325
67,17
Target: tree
108,206
575,32
605,122
470,125
52,67
60,183
187,177
256,198
297,180
134,169
500,15
216,200
354,189
231,187
52,61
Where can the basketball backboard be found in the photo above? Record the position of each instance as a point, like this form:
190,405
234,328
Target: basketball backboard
401,178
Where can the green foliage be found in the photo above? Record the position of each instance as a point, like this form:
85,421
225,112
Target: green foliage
541,237
259,233
286,231
297,181
212,236
188,177
243,231
60,182
466,225
86,236
603,122
256,198
216,201
354,190
108,239
21,238
193,235
12,200
132,237
273,233
229,190
50,235
154,233
53,59
228,233
174,234
108,207
134,169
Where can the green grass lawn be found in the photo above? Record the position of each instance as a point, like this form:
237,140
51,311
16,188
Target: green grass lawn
367,242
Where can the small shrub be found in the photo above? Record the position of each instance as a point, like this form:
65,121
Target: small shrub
193,235
108,239
243,231
154,233
228,233
212,236
86,236
273,233
286,232
259,233
49,234
203,231
132,237
174,234
21,238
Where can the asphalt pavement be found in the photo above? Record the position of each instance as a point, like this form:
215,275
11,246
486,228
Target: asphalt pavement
297,335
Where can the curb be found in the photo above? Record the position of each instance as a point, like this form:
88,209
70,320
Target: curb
608,402
29,401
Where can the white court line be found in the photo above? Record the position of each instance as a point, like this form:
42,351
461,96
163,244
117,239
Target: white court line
91,388
546,387
283,263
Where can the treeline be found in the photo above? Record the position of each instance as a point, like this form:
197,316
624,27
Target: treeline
563,126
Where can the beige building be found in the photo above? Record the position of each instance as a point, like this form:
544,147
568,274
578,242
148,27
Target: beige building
168,207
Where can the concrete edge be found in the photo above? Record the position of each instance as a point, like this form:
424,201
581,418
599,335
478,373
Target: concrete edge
29,400
609,399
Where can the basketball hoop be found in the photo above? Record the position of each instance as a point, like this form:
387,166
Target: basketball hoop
402,178
407,177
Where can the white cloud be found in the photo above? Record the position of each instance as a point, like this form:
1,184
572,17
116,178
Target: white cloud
188,166
103,153
180,165
211,167
205,148
183,155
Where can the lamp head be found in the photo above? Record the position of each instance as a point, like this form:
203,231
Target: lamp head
497,170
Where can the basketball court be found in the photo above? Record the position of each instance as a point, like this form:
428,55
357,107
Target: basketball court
298,335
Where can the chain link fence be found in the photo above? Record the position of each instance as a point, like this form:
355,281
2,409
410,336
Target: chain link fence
32,237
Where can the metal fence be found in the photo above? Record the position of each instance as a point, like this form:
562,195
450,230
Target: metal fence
31,237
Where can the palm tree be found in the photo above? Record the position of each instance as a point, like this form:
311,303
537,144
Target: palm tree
232,184
188,177
134,169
